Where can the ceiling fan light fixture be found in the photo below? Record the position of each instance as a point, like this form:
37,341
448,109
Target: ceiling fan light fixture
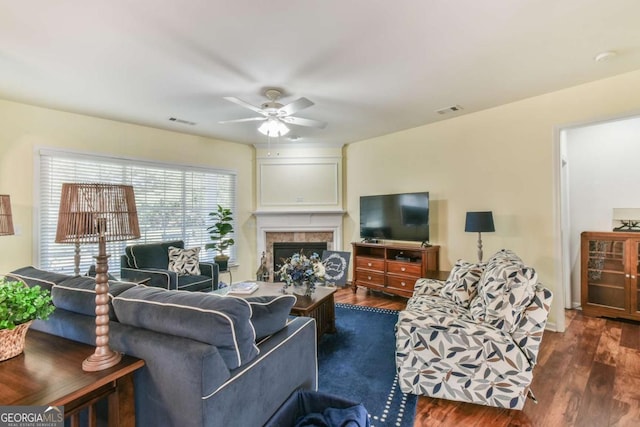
273,127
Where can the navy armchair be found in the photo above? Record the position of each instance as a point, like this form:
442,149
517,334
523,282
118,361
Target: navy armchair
151,261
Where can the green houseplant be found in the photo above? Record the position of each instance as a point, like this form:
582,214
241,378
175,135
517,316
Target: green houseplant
19,306
219,233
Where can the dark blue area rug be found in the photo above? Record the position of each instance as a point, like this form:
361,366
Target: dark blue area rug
358,363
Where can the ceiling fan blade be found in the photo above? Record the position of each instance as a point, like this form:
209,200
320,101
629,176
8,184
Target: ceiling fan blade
304,122
295,106
250,119
245,104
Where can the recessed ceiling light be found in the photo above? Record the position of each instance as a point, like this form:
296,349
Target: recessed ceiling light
605,56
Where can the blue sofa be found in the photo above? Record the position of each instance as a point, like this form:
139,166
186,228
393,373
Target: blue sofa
151,261
209,360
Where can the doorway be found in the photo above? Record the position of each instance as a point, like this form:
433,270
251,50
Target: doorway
597,172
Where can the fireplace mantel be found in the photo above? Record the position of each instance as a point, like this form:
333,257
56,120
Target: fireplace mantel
299,221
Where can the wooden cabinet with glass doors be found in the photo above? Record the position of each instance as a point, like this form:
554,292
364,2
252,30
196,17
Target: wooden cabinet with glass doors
610,267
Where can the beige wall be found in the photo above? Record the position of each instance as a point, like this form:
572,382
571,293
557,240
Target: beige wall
501,159
26,128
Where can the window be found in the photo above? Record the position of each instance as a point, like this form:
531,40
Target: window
173,203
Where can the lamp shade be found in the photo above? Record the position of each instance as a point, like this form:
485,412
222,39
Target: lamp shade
273,127
479,222
6,220
626,214
88,211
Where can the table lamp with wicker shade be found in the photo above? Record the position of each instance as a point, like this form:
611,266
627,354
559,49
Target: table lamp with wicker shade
97,213
6,220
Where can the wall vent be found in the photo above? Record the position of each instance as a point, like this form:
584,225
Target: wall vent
184,122
452,109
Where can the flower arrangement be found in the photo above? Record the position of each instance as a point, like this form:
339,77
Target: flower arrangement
300,270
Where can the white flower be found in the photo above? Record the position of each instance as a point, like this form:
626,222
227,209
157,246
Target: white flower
318,269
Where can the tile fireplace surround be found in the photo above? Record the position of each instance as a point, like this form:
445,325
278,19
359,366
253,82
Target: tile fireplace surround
298,227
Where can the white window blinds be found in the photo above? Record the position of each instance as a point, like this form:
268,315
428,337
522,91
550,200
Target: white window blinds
173,203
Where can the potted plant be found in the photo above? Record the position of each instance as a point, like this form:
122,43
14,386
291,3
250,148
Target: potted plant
20,305
219,233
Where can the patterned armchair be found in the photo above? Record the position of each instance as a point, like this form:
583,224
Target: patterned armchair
475,337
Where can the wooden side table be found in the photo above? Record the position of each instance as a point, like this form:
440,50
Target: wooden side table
49,372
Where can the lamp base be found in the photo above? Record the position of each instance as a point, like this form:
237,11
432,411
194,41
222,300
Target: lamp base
98,362
480,247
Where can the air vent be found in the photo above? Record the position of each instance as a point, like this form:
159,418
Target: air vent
184,122
452,109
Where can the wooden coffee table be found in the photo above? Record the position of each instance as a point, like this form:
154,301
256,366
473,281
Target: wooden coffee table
320,305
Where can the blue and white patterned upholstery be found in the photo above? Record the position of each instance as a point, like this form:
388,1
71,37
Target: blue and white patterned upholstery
483,352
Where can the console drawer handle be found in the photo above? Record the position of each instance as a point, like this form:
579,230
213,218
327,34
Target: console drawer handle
402,269
403,284
368,264
368,277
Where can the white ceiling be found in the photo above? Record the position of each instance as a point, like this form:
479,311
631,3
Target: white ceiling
371,67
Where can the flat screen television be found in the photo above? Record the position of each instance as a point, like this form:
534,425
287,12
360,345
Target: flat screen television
395,217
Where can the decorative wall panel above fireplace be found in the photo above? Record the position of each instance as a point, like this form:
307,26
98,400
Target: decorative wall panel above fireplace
292,182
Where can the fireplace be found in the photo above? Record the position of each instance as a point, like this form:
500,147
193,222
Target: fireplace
284,250
308,227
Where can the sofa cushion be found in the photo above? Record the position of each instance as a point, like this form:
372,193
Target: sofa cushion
151,255
185,262
269,314
34,276
436,305
78,295
504,255
462,284
424,286
213,319
506,288
195,282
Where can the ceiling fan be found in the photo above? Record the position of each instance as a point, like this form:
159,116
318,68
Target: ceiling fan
275,115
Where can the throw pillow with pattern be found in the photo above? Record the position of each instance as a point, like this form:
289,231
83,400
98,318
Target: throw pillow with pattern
506,288
185,262
462,284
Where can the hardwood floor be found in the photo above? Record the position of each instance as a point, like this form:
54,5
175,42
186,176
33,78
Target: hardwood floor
587,376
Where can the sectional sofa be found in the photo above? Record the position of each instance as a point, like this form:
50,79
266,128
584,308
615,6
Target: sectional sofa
209,360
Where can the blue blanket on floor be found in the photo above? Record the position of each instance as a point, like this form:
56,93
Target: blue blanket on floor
354,416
